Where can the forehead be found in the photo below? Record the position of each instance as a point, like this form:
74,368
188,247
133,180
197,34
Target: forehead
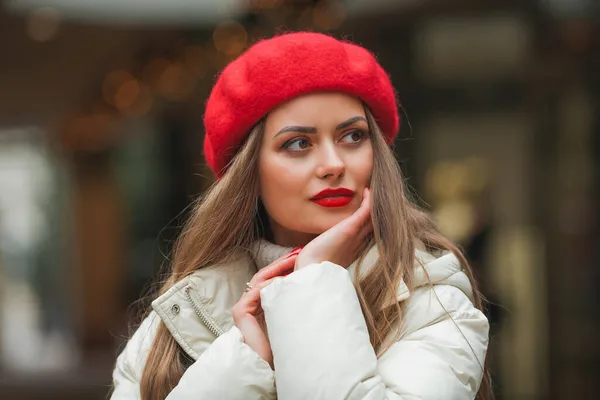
315,109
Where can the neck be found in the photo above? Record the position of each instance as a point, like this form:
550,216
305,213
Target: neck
287,238
265,252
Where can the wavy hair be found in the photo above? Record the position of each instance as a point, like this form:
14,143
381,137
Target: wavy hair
230,216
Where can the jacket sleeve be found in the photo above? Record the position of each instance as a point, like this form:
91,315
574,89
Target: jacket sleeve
321,345
228,369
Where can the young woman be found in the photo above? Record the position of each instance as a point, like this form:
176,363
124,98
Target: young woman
373,303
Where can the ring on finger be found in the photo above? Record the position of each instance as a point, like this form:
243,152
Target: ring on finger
248,287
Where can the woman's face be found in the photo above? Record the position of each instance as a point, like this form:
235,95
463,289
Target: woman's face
312,143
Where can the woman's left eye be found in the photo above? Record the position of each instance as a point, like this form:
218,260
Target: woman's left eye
355,136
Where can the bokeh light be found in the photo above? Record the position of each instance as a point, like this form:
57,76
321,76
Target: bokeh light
230,37
43,24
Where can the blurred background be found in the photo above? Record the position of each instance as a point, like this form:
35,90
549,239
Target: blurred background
101,105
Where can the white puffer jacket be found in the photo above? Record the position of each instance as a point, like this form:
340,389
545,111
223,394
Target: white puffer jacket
318,336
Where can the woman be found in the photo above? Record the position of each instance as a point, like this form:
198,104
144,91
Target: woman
372,303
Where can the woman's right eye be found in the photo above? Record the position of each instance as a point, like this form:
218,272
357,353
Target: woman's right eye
297,144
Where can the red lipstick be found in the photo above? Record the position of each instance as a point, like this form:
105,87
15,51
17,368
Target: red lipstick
339,197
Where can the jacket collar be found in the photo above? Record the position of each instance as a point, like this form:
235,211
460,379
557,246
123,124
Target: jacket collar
197,308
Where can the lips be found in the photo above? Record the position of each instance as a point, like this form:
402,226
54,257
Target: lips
338,197
333,193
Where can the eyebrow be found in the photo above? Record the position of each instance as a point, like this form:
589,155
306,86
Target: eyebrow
312,130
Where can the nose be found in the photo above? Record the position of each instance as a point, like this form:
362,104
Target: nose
331,165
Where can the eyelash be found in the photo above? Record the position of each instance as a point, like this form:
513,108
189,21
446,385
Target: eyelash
364,134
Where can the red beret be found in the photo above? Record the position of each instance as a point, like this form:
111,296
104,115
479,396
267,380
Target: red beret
275,70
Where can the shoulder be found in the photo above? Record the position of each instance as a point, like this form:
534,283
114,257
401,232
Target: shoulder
443,298
132,360
443,339
433,303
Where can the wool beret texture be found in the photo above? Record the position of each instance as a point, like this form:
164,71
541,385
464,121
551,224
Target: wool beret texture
278,69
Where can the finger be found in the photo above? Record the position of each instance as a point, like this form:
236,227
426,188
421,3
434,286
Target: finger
366,229
361,217
365,205
368,221
253,295
276,268
263,284
364,211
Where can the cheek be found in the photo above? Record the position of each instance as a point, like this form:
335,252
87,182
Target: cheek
362,166
279,187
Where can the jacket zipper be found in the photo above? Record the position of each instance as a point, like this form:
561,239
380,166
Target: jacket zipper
203,314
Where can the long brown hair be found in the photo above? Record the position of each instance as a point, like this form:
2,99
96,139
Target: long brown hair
228,218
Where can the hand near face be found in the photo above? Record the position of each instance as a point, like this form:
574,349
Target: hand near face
341,243
248,314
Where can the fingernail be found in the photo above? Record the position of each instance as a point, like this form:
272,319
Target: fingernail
294,252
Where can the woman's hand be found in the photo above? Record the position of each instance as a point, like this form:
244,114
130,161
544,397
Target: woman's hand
247,313
341,243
